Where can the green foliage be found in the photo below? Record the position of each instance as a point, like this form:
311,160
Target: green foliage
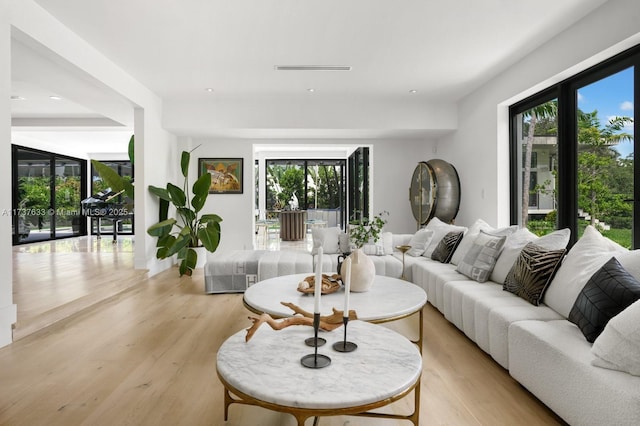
367,231
112,179
541,227
178,236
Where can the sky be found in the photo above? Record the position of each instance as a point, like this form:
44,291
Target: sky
611,97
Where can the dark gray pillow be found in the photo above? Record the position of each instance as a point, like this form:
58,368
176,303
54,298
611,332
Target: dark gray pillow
447,245
607,293
532,272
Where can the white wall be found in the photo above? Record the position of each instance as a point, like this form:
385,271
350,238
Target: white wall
479,148
7,308
155,147
393,163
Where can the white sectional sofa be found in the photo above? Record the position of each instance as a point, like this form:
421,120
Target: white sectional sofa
536,342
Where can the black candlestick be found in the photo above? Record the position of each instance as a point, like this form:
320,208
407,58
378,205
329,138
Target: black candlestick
345,346
315,360
315,341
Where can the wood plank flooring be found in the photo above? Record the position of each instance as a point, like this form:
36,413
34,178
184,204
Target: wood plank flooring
147,357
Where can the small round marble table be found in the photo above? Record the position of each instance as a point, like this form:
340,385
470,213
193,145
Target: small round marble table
266,371
389,299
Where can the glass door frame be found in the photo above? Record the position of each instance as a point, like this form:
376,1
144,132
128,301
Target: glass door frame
53,158
566,93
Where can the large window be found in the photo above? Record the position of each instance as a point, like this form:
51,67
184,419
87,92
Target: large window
572,154
47,189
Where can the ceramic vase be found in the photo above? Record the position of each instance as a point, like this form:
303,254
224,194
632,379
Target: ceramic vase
363,271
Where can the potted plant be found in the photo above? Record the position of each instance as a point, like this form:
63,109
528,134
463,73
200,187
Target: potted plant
190,229
364,231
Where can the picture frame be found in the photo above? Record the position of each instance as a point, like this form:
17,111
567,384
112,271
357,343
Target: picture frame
226,174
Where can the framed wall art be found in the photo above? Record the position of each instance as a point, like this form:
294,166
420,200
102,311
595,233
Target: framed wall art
226,174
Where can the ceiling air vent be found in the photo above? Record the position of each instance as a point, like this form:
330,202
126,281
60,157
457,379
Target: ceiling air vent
313,68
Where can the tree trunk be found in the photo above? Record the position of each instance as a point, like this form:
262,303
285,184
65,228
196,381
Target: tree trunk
526,179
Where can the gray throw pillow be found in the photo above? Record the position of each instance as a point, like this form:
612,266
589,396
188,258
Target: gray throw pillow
481,257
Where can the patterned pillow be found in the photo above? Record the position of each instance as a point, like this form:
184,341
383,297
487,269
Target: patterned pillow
481,257
607,293
532,272
445,248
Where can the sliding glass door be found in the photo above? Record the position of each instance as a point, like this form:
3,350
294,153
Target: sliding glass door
47,189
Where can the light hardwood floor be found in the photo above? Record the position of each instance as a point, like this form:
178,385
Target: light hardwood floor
147,357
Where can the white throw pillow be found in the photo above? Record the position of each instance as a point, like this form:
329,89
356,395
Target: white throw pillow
556,240
618,346
327,238
419,242
440,229
630,261
588,255
386,239
468,239
344,243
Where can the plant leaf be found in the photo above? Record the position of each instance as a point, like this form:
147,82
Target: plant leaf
161,229
178,198
110,176
184,163
210,236
131,149
202,185
162,193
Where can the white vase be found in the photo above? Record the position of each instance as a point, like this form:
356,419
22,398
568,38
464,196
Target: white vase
363,271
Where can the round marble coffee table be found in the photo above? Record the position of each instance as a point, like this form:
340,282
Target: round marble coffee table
266,371
389,299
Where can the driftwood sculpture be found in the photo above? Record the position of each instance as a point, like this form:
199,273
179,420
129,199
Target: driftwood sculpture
302,317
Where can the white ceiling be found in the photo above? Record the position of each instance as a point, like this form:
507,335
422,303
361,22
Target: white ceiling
443,49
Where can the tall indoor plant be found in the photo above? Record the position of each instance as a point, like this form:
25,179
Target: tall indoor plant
190,229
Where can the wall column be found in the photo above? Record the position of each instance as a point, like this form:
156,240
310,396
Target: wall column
8,311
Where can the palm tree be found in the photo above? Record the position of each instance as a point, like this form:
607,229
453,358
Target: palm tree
546,110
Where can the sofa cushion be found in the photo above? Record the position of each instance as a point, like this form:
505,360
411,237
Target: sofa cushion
327,238
440,229
479,261
607,293
618,346
419,242
555,240
586,256
445,248
530,275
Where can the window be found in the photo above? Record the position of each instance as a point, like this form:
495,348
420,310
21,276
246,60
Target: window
575,140
125,226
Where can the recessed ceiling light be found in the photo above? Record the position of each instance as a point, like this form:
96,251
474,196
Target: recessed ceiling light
17,98
311,89
55,98
313,68
413,91
209,89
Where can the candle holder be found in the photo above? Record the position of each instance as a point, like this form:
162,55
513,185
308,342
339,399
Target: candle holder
315,360
345,346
